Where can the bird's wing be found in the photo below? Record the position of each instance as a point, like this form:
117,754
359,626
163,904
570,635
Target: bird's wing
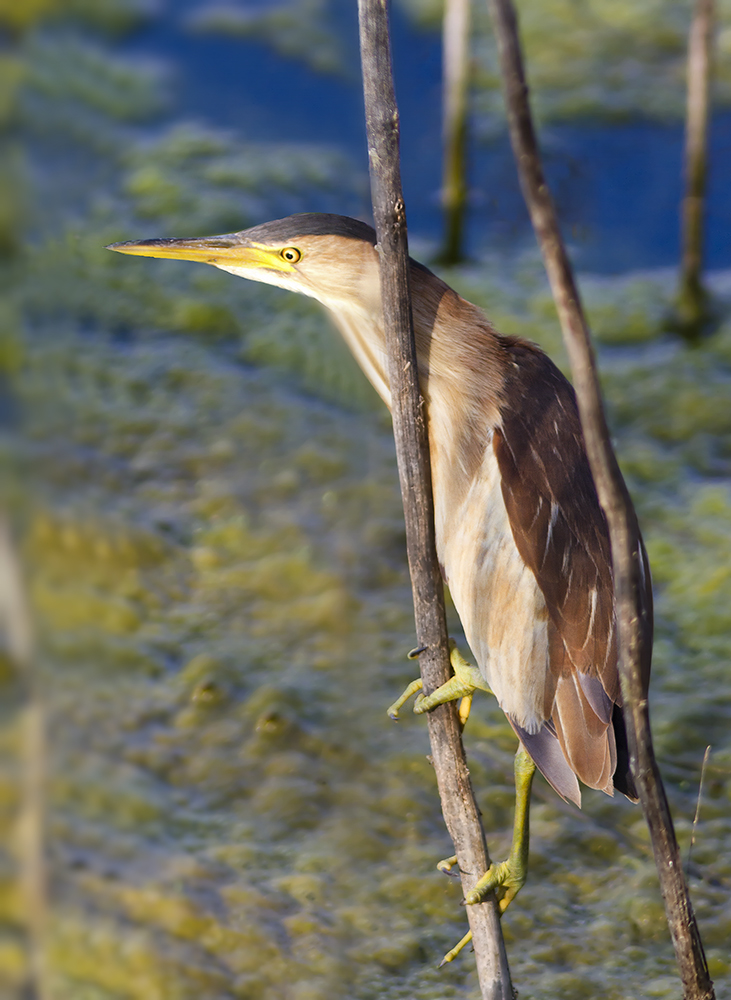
561,533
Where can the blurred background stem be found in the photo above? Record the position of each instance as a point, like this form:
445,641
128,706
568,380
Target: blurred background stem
16,630
693,305
456,83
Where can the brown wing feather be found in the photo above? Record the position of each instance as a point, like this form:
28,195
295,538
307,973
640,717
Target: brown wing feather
561,533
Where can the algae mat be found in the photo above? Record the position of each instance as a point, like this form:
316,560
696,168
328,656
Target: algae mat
216,564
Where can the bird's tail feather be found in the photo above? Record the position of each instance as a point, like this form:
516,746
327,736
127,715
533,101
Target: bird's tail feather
546,752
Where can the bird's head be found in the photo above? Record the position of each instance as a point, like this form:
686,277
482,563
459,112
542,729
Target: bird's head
333,259
329,257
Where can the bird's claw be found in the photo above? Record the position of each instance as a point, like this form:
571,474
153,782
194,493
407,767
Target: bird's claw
393,710
466,679
453,952
505,879
447,865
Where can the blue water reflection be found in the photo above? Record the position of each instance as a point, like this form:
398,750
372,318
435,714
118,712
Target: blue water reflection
618,186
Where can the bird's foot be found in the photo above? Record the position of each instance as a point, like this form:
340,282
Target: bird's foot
497,878
505,879
466,680
453,952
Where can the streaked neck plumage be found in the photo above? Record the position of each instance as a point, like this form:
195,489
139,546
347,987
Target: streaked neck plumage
462,365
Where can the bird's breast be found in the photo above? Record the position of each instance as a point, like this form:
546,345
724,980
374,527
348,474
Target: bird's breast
500,605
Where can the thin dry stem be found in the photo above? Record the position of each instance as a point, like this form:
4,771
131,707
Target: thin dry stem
617,505
460,810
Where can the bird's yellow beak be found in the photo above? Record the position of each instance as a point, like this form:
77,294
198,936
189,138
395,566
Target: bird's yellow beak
221,251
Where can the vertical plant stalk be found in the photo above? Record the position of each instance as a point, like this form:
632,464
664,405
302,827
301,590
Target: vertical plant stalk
15,623
615,500
692,298
461,814
456,78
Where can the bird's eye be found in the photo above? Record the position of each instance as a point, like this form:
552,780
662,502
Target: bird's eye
290,254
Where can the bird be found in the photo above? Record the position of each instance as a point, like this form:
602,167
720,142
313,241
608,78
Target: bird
521,538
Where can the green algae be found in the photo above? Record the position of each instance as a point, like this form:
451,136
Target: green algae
196,180
77,75
111,16
591,60
268,768
298,29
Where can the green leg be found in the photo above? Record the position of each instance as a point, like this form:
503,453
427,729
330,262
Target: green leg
508,878
463,685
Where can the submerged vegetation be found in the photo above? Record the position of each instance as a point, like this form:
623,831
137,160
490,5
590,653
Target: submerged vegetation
206,492
594,60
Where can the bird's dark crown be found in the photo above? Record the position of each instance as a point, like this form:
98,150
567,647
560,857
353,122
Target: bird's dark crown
310,224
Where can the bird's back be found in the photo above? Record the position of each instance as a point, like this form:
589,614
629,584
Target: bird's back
526,554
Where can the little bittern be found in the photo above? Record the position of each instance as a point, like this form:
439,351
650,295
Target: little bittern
521,537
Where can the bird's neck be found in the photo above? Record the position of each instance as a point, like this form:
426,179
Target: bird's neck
462,368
